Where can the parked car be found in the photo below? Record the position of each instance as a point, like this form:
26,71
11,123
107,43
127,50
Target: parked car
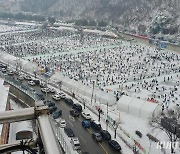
50,103
57,114
21,77
115,145
105,135
97,137
52,90
75,143
96,125
32,83
69,101
27,77
40,96
62,95
45,90
62,123
36,81
85,115
10,72
74,113
77,106
3,70
86,124
42,84
69,132
52,109
56,97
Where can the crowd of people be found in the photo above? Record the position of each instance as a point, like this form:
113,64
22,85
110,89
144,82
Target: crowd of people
135,69
42,42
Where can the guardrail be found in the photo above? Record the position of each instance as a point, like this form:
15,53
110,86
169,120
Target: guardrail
62,138
20,86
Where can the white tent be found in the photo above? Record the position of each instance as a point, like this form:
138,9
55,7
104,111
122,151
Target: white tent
77,87
140,108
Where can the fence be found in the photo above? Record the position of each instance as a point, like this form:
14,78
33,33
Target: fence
62,138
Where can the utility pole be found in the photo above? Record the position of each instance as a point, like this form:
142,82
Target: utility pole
92,92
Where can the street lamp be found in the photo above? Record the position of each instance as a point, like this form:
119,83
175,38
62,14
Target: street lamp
92,92
60,85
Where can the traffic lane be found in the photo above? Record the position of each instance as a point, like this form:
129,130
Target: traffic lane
86,138
83,135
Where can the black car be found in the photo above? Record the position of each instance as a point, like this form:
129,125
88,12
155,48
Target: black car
77,106
57,114
105,135
96,125
36,81
46,102
69,101
52,109
50,104
115,145
74,113
69,132
97,137
41,97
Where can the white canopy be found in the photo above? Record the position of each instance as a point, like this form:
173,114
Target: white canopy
141,108
77,87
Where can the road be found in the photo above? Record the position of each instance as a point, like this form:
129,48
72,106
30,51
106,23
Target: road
84,135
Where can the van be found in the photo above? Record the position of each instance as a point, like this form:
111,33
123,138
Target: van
77,106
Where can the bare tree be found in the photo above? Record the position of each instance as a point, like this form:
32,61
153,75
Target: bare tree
169,122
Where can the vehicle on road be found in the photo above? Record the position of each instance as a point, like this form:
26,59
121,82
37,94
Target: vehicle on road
86,115
52,109
42,84
95,125
86,124
69,101
10,72
57,114
77,106
75,143
105,135
115,145
50,103
56,97
52,90
97,137
62,95
27,77
41,97
32,83
21,77
3,70
69,132
62,123
36,81
45,90
74,113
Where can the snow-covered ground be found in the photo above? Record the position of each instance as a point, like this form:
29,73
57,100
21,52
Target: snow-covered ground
117,67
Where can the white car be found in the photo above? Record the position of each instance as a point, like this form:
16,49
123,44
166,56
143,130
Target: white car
27,77
21,77
85,115
62,123
62,95
56,97
52,90
32,83
75,143
45,90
